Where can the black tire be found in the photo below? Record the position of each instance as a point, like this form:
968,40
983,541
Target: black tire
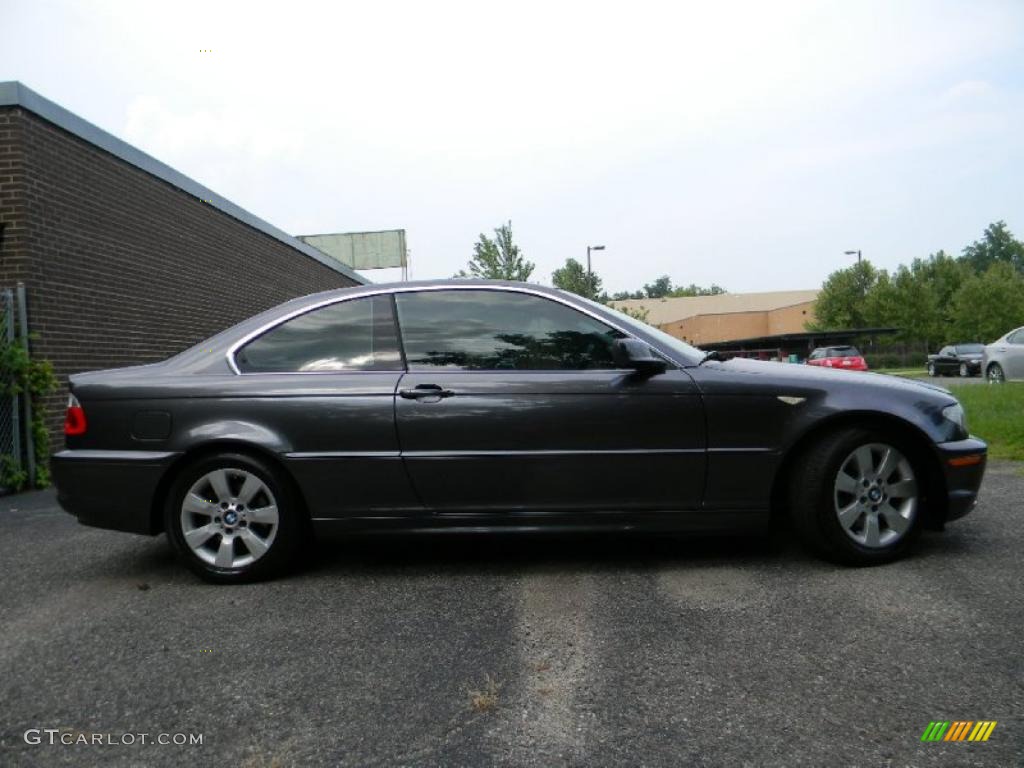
812,498
931,370
995,374
291,527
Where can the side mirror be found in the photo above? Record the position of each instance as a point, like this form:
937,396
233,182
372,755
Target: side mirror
631,353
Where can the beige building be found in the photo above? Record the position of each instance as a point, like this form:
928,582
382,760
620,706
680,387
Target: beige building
728,316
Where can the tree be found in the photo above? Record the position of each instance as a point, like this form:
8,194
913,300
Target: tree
498,259
662,288
695,290
916,309
988,305
842,301
996,245
573,278
659,289
626,295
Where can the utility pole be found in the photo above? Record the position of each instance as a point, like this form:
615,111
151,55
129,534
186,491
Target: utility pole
590,281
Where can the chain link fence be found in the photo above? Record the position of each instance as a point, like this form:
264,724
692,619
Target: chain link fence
17,448
10,423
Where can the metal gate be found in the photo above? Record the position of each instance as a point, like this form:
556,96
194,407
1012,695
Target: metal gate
10,428
15,410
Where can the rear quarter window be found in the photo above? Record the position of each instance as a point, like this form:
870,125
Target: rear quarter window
353,335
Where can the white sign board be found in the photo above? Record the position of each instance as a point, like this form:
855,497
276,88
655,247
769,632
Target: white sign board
363,250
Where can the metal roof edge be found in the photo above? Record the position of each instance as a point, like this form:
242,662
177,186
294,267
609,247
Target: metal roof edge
15,94
806,335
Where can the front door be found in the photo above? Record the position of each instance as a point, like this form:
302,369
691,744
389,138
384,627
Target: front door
512,402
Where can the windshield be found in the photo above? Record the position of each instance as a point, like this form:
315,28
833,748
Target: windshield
970,349
686,351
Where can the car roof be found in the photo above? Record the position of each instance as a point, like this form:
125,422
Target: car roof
406,285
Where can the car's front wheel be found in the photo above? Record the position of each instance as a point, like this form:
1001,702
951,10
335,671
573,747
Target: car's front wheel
931,369
964,371
233,518
856,497
995,374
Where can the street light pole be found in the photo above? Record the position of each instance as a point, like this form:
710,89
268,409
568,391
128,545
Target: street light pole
590,288
864,288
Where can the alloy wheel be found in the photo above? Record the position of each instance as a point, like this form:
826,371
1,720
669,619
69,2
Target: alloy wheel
964,373
229,518
875,495
995,373
931,369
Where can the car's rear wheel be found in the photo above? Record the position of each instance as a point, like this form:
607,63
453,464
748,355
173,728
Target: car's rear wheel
233,518
931,369
994,373
856,497
964,371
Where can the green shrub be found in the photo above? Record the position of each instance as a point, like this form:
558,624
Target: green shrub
36,379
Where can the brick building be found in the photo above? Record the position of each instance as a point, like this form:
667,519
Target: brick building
702,320
126,260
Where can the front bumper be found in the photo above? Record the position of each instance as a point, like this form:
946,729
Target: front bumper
111,489
963,467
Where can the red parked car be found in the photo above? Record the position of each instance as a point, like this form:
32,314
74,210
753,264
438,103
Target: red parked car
848,358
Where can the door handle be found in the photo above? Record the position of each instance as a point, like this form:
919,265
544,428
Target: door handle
421,391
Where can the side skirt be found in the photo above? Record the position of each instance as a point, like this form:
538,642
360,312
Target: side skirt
708,522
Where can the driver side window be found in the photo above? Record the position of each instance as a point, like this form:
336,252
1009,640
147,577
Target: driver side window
487,330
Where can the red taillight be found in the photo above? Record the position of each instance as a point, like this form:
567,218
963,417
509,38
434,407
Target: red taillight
74,418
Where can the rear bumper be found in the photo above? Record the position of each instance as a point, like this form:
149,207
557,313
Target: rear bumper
110,489
963,467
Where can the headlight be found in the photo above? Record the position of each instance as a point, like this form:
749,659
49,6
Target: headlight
955,414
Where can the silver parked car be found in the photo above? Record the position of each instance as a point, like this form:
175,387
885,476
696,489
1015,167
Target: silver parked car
1004,358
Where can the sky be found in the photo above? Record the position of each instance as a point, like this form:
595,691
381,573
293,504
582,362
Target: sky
747,144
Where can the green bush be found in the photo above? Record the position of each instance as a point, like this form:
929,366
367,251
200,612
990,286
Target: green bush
881,360
36,379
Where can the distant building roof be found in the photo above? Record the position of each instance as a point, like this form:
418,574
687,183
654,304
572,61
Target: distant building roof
17,95
670,310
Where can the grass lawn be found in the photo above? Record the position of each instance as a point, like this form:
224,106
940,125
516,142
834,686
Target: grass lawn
995,413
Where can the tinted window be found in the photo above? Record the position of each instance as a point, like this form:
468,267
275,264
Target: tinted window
1017,337
970,349
500,330
356,335
844,352
946,352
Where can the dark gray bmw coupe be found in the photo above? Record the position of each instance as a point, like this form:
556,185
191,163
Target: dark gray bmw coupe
488,405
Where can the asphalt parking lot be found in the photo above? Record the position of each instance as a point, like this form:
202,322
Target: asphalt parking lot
516,651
